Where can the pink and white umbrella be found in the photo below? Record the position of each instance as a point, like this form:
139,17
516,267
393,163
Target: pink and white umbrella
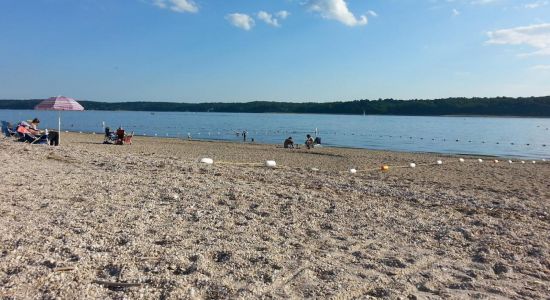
59,103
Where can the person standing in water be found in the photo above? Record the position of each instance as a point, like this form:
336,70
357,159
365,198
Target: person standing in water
244,135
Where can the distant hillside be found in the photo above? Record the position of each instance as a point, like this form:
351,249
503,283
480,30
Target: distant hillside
500,106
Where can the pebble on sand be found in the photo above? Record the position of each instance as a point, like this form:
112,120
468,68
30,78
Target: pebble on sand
270,164
207,161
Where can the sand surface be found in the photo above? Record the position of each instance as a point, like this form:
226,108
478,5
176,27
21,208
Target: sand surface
87,220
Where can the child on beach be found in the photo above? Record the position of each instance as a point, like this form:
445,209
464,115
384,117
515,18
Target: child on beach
309,141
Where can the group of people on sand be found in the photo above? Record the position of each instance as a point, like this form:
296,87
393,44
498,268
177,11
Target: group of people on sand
118,137
310,142
28,131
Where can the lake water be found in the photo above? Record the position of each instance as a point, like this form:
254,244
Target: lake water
506,137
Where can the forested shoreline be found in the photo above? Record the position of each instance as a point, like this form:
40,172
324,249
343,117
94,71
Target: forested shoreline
498,106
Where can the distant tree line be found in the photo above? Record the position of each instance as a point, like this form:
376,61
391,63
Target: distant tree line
499,106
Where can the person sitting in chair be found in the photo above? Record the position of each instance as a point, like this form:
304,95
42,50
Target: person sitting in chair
120,136
33,126
25,135
30,135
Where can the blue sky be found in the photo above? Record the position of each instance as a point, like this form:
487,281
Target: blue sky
273,50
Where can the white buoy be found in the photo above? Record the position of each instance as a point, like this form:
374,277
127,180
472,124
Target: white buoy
461,160
352,171
207,161
439,162
480,160
270,164
412,165
510,162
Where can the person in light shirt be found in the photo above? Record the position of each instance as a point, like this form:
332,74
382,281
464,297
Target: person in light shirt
309,141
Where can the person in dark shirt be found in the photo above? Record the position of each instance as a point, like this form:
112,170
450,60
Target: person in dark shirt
289,143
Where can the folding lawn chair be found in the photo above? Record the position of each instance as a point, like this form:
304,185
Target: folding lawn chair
7,129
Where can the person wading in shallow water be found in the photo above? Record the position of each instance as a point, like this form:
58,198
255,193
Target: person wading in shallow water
244,135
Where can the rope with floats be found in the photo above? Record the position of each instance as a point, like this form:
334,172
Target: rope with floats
271,164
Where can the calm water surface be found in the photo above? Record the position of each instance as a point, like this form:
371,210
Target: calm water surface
507,137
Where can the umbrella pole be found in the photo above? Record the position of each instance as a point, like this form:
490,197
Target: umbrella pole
59,126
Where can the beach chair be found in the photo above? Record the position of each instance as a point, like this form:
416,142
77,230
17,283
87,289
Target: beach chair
24,135
11,132
33,139
7,129
41,139
110,137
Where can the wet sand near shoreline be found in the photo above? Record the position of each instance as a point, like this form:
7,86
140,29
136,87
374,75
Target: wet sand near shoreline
87,220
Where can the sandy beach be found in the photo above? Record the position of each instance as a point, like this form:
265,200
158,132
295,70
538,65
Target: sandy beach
147,221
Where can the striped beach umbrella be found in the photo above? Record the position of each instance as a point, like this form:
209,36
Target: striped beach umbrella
59,103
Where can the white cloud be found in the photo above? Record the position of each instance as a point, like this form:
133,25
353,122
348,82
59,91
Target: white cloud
372,13
456,12
268,18
535,36
482,2
159,3
177,5
283,14
242,21
337,10
540,68
536,4
184,6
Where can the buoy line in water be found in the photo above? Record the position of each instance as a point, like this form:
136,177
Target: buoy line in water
271,164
